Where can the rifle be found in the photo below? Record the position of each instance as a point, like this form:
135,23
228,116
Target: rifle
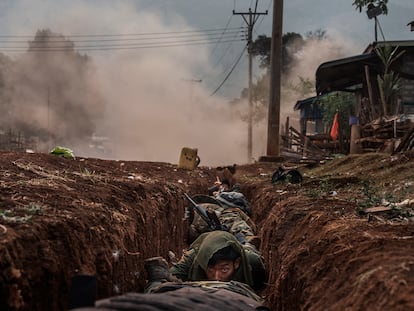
209,216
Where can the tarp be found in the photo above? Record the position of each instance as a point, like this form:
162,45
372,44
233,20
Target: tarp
335,128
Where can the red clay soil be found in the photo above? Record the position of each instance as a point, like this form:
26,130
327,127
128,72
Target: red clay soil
60,217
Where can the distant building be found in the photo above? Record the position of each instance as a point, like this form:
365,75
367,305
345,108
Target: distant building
351,74
311,115
359,75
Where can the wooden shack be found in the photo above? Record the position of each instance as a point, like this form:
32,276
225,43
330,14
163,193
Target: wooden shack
381,128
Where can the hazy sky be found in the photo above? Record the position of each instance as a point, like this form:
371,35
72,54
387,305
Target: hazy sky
338,17
301,15
153,106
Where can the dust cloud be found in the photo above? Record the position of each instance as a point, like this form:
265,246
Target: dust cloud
305,62
141,104
153,110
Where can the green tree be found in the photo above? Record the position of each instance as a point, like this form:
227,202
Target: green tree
360,4
46,39
342,103
303,88
261,49
6,88
318,34
55,86
291,43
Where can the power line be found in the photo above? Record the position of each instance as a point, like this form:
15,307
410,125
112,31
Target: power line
225,28
119,47
120,35
380,28
66,44
230,72
263,16
228,47
107,48
123,39
218,61
119,41
250,18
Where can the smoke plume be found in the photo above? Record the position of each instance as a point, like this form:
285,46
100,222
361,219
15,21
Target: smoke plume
130,104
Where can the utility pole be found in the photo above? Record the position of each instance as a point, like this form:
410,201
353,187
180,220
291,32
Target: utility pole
372,12
250,20
273,128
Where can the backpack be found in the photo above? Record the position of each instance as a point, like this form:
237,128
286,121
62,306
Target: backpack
290,175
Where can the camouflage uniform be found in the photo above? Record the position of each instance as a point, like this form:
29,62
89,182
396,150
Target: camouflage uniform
237,222
233,216
188,274
195,260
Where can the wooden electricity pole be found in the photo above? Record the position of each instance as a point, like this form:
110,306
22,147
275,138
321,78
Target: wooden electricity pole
250,20
273,136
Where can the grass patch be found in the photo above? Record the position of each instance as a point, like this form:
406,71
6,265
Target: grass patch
14,216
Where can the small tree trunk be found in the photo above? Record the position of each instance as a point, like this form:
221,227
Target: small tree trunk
382,95
371,100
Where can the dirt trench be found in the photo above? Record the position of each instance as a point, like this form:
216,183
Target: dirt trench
62,217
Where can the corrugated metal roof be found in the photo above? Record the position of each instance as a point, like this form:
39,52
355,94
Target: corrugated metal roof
340,74
304,102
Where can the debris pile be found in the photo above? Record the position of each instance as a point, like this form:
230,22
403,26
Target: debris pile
300,148
400,211
387,135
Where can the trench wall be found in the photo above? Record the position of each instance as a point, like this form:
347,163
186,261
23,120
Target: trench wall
95,219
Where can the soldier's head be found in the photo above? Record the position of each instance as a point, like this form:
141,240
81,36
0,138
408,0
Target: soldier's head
223,264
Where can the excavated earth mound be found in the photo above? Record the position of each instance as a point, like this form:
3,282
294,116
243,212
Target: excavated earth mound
324,246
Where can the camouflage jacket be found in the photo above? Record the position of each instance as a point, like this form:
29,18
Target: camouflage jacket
234,218
195,259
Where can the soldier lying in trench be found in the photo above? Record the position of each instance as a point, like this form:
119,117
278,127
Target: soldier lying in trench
239,243
215,273
214,256
231,209
221,270
216,259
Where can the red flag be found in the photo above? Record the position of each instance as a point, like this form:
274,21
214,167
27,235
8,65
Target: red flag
335,128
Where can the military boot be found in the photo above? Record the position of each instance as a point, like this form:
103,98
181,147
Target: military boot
157,270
